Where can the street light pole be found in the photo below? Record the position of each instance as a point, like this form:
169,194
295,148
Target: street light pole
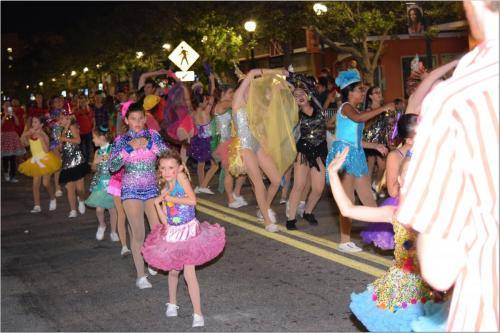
252,49
250,26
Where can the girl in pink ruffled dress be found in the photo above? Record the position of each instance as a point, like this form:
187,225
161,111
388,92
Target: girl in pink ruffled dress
180,242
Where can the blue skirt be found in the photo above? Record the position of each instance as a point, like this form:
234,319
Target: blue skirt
100,199
428,317
355,163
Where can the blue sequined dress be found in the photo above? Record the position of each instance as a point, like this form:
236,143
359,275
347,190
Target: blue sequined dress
348,133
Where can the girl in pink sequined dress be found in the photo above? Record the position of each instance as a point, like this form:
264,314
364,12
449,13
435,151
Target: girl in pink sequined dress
180,242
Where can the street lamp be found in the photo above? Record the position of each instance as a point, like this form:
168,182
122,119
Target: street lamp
53,79
98,66
40,84
139,54
9,49
166,46
73,73
27,86
319,8
250,26
86,69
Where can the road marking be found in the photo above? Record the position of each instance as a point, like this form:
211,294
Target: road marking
300,234
362,267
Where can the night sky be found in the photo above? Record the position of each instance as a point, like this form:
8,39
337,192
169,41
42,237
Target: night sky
28,17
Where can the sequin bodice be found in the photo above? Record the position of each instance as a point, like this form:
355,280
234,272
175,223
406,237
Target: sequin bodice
348,130
178,214
313,128
224,125
100,180
72,155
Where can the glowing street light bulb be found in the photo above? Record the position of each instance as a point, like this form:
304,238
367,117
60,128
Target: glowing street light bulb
139,54
40,84
166,46
53,79
73,73
319,8
27,86
250,26
9,49
86,69
98,66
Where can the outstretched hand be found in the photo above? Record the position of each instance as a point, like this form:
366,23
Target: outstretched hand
338,161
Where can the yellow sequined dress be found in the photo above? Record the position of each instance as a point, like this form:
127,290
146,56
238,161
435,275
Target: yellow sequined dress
40,163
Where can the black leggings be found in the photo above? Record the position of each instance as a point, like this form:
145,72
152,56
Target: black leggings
9,161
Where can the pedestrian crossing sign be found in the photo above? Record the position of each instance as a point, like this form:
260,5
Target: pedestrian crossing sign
183,56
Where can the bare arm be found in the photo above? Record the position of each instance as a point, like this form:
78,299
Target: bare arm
161,213
347,208
392,172
239,94
362,117
147,75
24,137
377,146
190,198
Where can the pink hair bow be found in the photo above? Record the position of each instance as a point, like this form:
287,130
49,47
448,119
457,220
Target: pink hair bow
124,108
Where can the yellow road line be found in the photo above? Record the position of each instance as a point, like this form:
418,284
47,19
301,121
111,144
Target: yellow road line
300,234
365,268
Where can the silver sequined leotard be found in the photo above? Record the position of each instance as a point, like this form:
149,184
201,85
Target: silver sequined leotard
224,125
72,155
247,140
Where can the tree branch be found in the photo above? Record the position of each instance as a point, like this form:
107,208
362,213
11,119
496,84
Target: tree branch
380,47
337,47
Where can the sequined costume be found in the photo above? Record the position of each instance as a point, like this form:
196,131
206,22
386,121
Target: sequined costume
379,131
99,196
55,128
247,140
348,134
312,141
115,182
176,113
395,300
224,127
40,163
74,166
139,177
183,240
200,149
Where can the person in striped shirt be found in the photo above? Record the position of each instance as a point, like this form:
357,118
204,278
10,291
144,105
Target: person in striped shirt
451,189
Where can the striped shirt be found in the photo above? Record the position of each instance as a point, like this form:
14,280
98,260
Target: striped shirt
451,188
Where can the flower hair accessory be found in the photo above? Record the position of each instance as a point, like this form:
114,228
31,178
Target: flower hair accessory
346,78
124,107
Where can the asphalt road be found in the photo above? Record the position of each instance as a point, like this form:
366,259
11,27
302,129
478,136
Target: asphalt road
57,277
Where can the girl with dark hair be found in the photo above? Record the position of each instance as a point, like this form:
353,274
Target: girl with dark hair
223,116
200,148
99,197
136,151
311,155
382,234
74,164
349,130
415,21
376,131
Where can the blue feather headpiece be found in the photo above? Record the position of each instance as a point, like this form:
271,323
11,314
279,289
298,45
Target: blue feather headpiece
345,78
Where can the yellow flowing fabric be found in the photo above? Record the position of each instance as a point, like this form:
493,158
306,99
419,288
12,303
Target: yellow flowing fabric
272,115
236,166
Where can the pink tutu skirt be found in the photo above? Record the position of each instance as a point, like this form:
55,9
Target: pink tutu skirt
222,153
170,247
115,184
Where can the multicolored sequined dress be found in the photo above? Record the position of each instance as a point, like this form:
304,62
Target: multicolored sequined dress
400,297
183,240
139,176
99,196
